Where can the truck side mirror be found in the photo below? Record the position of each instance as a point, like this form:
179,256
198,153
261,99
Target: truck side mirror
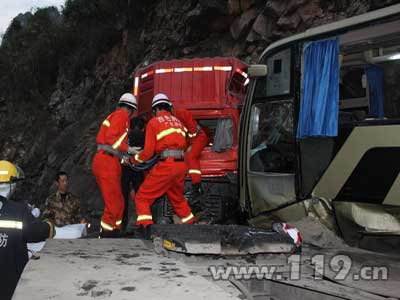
257,71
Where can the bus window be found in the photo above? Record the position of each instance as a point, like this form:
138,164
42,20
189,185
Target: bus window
369,85
272,137
354,101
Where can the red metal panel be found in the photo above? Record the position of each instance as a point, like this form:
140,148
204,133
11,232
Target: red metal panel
194,89
205,93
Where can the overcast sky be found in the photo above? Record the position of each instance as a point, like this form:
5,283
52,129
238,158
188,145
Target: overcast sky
11,8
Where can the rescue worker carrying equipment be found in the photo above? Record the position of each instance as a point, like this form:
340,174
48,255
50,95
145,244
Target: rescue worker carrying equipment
17,227
112,147
198,140
165,136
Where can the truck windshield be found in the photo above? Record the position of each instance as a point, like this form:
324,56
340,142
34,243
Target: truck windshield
220,132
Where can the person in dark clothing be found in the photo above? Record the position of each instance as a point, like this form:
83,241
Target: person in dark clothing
17,227
132,179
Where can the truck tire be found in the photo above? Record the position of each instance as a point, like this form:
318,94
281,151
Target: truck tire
161,211
218,203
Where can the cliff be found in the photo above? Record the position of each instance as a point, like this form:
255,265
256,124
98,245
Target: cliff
62,72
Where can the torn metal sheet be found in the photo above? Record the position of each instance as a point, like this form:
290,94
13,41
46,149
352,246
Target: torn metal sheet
222,239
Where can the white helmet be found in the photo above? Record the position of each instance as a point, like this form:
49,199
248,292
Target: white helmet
160,98
129,100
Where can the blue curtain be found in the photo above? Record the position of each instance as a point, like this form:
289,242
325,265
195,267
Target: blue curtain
375,82
319,106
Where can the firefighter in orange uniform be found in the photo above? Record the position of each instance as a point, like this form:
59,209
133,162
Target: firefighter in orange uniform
198,140
165,136
112,147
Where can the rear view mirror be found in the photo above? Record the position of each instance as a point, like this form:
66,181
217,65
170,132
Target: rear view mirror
257,71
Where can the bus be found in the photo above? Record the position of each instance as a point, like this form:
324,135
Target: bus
320,129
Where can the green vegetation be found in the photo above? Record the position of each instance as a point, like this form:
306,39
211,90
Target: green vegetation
36,47
28,55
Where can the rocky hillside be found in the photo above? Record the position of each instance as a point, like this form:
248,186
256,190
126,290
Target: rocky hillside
61,72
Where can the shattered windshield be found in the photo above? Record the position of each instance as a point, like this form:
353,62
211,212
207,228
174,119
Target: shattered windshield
272,142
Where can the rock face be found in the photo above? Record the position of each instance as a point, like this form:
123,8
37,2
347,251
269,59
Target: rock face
53,127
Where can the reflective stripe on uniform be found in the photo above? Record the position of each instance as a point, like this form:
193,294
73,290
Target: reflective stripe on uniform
10,224
192,135
106,123
184,220
138,159
144,217
119,141
119,222
106,226
169,131
194,171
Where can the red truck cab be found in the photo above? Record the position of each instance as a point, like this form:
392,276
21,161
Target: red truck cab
213,90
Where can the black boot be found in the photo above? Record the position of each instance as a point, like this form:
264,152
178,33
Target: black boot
114,234
105,234
143,232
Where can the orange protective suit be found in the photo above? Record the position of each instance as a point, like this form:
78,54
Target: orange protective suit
164,132
198,140
107,167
